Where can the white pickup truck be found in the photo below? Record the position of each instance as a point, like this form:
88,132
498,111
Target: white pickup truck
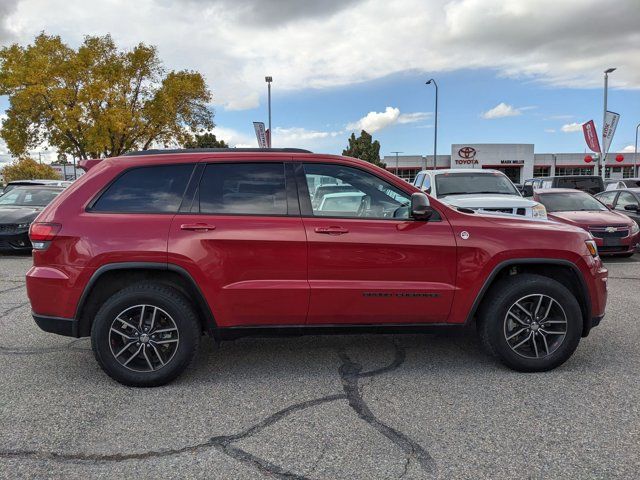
485,190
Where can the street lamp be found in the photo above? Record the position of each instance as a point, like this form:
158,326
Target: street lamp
635,154
397,162
604,117
269,79
435,131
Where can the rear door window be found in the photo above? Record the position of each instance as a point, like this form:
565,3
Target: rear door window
625,199
243,189
153,189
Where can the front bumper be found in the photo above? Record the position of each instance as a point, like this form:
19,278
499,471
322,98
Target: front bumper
620,246
15,241
61,326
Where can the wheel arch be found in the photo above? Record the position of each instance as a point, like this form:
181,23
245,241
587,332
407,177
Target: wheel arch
563,271
112,277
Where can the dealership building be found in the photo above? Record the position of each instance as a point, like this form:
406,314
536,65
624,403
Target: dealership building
517,160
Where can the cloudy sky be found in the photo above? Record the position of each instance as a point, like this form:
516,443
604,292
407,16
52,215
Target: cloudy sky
508,70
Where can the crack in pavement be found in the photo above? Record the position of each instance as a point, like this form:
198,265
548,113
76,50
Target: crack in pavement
17,287
350,372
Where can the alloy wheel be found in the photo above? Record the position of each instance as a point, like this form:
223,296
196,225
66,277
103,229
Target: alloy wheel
535,326
143,338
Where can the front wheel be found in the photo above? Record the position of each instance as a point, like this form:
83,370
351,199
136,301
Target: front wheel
530,322
145,335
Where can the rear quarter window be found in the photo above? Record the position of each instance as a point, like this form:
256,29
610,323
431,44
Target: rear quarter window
150,189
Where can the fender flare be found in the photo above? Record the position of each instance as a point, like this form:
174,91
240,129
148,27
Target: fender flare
184,274
533,261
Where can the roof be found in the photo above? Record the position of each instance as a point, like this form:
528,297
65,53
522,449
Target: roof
543,191
441,171
214,150
33,186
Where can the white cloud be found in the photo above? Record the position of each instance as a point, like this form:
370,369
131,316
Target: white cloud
629,149
500,111
234,138
375,121
306,44
571,127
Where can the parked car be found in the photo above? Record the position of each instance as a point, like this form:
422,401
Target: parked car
614,233
149,251
625,201
21,183
587,183
18,209
484,190
622,183
322,190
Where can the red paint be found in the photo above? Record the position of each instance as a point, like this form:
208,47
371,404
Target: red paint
588,159
619,158
261,270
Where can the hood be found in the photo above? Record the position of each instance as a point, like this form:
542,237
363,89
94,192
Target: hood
584,219
487,201
11,214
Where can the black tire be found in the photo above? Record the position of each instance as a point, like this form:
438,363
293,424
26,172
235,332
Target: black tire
175,309
493,323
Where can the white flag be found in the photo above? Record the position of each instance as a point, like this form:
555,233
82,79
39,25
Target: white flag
261,135
610,124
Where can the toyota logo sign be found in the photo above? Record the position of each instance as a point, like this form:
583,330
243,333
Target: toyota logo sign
467,152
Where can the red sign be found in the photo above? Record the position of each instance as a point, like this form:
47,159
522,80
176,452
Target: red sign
591,136
467,152
588,159
467,161
619,158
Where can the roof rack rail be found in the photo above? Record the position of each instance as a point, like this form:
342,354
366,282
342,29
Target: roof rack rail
214,150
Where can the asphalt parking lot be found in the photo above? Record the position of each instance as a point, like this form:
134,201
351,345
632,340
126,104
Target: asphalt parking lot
405,406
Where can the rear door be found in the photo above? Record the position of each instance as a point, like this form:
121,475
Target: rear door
241,237
628,198
369,263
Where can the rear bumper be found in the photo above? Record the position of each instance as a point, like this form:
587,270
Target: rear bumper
60,326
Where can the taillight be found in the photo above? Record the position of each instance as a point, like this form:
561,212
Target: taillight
41,234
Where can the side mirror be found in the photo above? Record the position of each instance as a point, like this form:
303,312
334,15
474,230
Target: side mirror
631,208
527,190
420,206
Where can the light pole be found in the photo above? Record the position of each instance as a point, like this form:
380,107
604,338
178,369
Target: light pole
397,162
435,131
635,154
269,80
604,117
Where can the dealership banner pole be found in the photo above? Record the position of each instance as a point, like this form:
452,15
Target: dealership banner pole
603,156
435,127
635,154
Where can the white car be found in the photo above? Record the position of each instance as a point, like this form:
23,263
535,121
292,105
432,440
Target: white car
487,191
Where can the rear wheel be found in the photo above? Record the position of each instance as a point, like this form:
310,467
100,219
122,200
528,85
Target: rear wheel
145,335
531,323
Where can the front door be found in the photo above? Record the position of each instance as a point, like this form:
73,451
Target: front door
242,240
369,263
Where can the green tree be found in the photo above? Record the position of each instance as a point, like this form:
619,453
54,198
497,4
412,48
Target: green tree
97,101
364,148
206,140
27,169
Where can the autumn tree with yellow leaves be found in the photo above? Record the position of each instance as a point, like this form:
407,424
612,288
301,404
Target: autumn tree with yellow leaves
97,101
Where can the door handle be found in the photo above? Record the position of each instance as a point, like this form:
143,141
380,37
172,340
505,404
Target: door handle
331,230
197,227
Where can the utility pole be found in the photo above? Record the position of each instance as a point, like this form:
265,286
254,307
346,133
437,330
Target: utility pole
269,79
603,157
397,174
435,130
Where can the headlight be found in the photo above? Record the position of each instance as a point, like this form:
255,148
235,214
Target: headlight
592,247
539,211
23,226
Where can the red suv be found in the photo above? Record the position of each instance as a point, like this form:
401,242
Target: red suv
147,252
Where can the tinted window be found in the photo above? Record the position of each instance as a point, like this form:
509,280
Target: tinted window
570,202
586,184
243,188
156,189
354,193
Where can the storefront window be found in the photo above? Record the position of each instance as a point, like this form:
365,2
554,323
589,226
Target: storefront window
619,172
561,171
541,171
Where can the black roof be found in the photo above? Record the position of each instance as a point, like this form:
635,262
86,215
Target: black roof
215,150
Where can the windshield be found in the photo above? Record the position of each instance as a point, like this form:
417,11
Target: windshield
570,202
29,197
472,182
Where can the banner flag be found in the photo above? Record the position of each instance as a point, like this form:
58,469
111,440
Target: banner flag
261,135
610,124
591,136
